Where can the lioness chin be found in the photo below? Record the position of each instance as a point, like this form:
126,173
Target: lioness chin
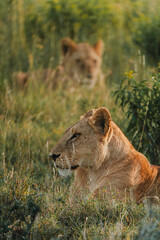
104,161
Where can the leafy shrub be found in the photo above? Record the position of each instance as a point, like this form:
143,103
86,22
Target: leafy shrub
142,102
77,19
147,37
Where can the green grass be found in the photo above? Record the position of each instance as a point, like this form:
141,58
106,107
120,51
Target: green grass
34,198
31,31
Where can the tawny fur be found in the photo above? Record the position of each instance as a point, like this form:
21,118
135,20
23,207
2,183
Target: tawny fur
81,65
104,161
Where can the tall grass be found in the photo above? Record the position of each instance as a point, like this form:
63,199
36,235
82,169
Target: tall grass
33,198
31,31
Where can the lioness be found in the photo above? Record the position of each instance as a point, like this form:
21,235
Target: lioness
81,65
104,161
82,62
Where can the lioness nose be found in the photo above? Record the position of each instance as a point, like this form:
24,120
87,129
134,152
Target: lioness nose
54,156
89,75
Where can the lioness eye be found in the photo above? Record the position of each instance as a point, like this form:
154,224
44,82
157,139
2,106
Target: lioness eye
78,60
75,136
94,61
82,66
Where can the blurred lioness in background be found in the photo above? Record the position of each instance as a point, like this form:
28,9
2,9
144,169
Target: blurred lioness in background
81,65
82,62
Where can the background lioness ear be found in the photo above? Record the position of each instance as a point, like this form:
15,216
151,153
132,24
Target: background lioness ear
68,46
88,114
99,47
100,120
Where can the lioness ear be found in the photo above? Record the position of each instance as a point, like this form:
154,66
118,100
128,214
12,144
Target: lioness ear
68,46
100,120
99,47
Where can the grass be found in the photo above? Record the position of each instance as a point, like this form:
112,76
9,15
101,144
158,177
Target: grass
34,198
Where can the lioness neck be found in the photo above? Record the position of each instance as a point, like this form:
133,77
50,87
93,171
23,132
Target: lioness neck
119,146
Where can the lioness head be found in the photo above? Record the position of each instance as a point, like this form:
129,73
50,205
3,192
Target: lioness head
81,61
84,144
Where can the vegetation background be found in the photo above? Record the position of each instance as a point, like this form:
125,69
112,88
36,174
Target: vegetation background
33,198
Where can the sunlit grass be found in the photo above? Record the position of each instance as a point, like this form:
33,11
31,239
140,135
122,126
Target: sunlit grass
34,198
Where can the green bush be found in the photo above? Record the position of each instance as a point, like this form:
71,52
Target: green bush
142,103
78,19
147,37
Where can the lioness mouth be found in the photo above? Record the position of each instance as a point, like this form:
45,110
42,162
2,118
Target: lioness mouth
74,167
71,168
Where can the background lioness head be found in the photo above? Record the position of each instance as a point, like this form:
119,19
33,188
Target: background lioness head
83,144
81,61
